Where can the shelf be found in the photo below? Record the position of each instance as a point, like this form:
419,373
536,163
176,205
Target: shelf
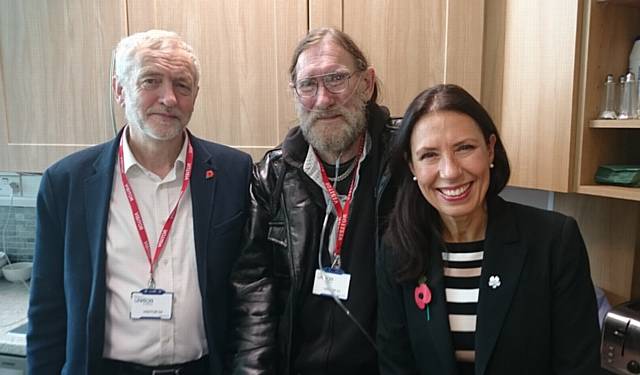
611,191
629,3
615,124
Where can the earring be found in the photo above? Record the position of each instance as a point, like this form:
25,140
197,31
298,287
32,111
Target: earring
414,178
491,165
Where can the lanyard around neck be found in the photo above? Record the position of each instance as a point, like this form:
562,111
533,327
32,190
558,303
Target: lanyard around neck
342,212
137,216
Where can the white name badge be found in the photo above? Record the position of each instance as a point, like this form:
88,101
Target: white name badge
151,304
329,283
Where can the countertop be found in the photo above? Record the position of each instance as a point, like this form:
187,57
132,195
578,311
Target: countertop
14,299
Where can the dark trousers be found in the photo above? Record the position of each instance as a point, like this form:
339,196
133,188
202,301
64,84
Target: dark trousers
114,367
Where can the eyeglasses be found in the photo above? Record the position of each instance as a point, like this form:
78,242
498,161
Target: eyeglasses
335,83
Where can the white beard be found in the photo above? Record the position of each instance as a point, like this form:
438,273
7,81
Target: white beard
333,139
135,119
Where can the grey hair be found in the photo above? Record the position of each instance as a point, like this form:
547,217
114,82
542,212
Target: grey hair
127,49
343,40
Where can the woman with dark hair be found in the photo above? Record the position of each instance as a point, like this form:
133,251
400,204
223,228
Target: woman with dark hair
467,282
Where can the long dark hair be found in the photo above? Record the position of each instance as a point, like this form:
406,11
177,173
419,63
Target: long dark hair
413,222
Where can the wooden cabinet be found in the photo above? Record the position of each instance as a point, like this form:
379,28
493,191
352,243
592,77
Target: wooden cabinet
54,78
244,49
611,27
412,44
531,62
544,66
610,228
54,72
244,99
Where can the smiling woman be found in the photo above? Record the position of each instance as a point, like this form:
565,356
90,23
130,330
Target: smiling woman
451,161
502,279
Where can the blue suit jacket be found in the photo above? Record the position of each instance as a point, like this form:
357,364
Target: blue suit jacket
67,302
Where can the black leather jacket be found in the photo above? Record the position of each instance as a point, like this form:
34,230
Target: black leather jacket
267,279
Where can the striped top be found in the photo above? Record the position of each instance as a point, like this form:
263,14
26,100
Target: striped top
462,267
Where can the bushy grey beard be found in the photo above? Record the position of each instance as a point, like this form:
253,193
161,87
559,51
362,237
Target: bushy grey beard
333,139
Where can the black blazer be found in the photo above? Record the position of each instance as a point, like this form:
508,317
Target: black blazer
67,302
542,319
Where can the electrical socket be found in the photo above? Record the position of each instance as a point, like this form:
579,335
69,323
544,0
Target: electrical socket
9,184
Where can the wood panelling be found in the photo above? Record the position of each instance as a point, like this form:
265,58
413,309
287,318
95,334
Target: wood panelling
493,59
244,99
464,35
325,13
54,78
610,229
58,56
535,79
418,44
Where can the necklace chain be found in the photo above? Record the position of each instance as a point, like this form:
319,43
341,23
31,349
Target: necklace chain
344,174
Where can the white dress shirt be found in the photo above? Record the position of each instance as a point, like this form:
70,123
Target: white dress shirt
145,341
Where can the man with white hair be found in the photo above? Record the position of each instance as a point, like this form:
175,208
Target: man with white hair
136,237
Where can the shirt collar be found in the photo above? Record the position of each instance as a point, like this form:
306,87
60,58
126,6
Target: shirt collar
131,161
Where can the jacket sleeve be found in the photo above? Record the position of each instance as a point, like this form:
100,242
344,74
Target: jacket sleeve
395,354
575,330
46,332
254,319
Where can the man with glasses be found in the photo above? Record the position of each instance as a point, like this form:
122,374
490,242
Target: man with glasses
305,294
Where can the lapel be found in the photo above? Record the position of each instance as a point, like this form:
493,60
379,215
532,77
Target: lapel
438,326
97,195
504,257
203,187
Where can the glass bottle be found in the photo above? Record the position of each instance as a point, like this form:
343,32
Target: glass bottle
637,95
608,106
629,98
620,95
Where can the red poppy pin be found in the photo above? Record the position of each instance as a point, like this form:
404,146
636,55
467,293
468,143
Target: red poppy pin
422,295
209,174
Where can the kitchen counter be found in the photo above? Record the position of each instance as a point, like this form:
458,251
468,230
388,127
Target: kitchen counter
14,299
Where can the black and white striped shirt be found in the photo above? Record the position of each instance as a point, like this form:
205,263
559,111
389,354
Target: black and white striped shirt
462,267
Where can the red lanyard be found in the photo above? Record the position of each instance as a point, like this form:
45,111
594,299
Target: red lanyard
135,211
342,212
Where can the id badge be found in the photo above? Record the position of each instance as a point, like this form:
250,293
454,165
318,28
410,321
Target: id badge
151,304
332,282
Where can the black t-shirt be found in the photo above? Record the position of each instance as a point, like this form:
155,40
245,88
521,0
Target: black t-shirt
326,340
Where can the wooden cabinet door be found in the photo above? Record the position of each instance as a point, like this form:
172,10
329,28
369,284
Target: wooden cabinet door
244,48
54,78
530,86
412,44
